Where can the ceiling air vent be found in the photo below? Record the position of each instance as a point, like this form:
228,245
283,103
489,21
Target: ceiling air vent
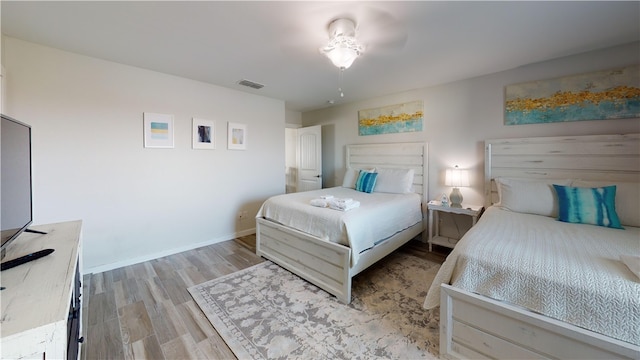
250,84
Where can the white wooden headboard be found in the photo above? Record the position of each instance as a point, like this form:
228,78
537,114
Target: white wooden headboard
394,156
591,157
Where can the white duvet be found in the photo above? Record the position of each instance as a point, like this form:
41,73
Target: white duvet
570,272
379,216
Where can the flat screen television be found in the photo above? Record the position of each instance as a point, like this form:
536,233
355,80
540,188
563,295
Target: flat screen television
15,180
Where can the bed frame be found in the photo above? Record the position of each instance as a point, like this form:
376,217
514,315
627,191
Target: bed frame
327,264
474,326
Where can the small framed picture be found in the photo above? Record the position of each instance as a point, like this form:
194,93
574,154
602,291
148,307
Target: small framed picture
158,130
204,134
237,136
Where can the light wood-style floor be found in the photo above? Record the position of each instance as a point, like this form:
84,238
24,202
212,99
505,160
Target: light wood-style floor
144,311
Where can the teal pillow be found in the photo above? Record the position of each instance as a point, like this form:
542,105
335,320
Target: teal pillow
594,206
366,181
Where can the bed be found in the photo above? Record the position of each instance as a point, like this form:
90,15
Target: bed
332,256
521,284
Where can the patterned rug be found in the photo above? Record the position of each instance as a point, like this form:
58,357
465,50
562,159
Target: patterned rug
266,312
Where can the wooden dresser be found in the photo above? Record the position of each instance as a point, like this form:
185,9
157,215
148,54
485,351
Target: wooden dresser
41,306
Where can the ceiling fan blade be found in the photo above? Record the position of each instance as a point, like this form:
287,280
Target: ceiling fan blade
302,40
309,27
391,42
380,31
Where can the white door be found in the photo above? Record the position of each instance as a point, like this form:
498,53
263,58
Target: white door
309,158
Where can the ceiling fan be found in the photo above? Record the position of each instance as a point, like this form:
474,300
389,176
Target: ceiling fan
356,31
352,29
372,30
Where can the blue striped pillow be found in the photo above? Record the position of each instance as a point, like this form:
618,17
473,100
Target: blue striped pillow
366,181
594,206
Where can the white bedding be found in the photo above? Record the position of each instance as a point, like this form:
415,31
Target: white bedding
379,216
570,272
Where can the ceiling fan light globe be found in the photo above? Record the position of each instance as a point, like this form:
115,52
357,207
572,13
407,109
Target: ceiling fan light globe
342,51
343,48
342,57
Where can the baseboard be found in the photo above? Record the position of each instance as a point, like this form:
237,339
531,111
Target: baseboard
157,255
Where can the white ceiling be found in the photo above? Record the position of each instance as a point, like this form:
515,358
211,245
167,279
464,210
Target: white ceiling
276,43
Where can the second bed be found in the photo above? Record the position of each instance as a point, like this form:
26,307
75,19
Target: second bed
328,247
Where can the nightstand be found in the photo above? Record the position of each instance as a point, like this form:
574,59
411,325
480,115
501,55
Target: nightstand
435,208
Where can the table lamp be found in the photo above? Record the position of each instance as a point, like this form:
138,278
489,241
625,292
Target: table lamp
457,178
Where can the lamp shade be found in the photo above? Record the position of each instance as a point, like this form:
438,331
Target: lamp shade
456,177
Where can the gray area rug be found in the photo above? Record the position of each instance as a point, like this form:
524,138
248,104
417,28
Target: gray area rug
266,312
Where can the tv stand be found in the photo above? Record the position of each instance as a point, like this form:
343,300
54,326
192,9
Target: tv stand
41,314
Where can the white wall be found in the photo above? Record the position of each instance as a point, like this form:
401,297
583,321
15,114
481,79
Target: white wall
293,119
89,162
459,116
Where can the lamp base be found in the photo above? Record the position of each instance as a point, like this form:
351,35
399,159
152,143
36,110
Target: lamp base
456,198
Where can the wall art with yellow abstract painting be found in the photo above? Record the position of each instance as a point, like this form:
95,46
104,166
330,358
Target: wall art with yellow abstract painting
602,95
399,118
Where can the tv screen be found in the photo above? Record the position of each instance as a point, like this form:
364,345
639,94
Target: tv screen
15,179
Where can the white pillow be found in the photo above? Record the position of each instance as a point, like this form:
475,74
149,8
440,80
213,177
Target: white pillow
351,176
530,196
396,181
627,199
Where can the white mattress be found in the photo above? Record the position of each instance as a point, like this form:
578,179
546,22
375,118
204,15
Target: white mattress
570,272
379,216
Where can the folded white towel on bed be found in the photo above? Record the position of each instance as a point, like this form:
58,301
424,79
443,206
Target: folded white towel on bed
343,205
319,202
632,262
335,203
342,200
